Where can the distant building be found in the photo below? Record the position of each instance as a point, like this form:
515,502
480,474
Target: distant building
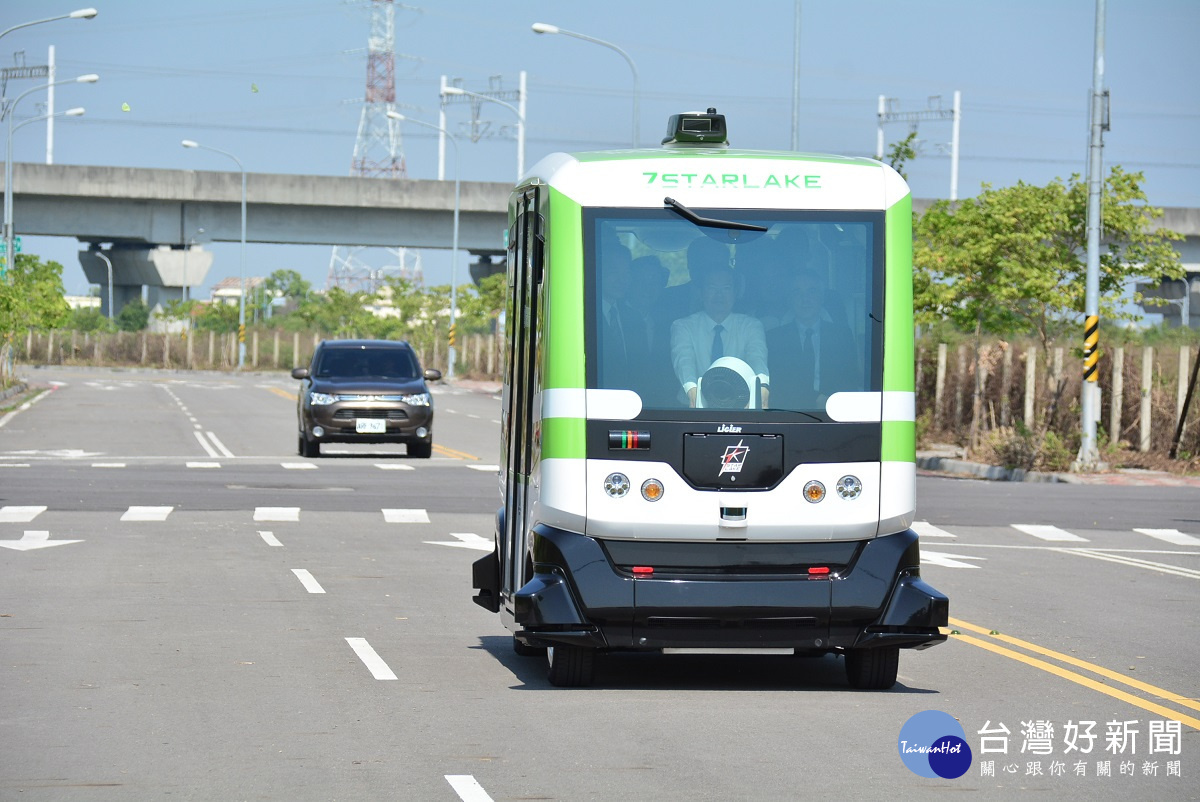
82,301
229,290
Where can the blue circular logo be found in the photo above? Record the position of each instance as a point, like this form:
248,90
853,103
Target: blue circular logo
933,744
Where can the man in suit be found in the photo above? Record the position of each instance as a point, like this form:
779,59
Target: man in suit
811,355
715,331
622,329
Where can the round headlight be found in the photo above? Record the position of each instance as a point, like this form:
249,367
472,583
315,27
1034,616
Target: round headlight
652,490
814,491
849,487
616,485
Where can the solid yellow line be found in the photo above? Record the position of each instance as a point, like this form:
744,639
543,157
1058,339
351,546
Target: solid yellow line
1162,693
284,393
450,452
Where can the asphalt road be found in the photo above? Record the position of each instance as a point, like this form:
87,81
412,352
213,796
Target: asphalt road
222,619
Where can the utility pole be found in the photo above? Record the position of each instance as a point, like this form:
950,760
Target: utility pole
452,91
1090,394
888,114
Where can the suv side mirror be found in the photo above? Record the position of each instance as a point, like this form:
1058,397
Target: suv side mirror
299,373
432,374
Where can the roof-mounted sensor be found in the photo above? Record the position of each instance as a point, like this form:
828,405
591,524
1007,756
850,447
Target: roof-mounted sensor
696,129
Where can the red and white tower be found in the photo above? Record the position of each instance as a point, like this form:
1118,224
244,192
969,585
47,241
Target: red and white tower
378,153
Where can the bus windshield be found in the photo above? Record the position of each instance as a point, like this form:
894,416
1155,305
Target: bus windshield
696,317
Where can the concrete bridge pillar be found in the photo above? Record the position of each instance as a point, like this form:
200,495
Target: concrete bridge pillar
164,270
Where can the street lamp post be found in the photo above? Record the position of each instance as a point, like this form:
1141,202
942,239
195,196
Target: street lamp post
453,352
542,27
9,111
456,90
187,143
83,13
108,262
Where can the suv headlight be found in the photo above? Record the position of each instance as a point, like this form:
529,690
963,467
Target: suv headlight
321,399
416,399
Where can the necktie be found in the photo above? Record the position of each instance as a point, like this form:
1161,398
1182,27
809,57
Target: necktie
718,345
807,360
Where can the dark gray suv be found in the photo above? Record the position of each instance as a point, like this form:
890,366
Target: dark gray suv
365,391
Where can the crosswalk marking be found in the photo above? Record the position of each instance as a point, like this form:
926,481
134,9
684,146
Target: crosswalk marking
308,580
1052,533
406,516
385,466
147,513
488,468
467,788
204,465
371,659
298,466
466,540
108,464
926,529
277,513
270,539
1170,536
19,515
947,560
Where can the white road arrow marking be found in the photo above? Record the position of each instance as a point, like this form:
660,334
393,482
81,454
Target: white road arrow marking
34,540
947,560
466,540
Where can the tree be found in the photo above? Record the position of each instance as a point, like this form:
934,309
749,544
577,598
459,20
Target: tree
1014,259
287,284
31,297
134,316
901,153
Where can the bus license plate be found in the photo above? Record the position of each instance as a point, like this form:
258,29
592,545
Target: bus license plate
370,426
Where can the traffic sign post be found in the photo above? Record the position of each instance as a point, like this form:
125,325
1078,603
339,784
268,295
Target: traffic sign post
16,246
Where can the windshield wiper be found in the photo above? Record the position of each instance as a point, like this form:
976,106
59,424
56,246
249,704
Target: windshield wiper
708,222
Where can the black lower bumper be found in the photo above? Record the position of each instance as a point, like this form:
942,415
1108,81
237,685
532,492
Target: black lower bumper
585,592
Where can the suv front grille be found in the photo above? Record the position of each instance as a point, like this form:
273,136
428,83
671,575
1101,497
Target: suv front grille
350,415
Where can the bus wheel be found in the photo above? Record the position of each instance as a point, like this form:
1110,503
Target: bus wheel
525,650
570,666
872,669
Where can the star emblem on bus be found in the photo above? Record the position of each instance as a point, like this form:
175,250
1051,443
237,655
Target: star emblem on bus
734,458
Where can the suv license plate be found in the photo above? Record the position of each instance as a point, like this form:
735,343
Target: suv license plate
370,426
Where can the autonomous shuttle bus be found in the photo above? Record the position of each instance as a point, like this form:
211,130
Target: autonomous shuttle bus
708,413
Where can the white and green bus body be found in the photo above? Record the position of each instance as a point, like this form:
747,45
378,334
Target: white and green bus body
635,517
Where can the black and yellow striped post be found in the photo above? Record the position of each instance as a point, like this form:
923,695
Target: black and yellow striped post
1091,348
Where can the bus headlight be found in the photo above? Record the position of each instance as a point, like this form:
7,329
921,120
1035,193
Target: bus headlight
814,491
849,487
616,485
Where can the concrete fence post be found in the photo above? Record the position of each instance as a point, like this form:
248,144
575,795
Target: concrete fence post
1118,395
166,350
296,350
212,353
191,363
1185,362
1030,384
275,357
939,386
1147,376
254,347
1006,387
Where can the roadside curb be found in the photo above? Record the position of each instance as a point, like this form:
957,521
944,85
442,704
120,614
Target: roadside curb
15,390
979,470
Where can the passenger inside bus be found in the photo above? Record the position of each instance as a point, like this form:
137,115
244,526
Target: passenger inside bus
716,331
811,355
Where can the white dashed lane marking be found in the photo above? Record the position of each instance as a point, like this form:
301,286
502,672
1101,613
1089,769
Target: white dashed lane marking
383,466
277,513
1051,533
19,515
373,662
467,788
308,581
1170,536
146,513
947,560
270,539
298,466
204,465
406,516
926,529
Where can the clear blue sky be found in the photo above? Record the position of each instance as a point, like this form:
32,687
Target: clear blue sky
189,70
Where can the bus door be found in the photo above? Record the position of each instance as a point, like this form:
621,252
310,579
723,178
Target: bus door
522,381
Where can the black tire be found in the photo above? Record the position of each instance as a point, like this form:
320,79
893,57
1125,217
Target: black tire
872,669
570,666
525,650
420,450
309,448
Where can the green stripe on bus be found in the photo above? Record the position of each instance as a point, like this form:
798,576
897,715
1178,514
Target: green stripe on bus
563,334
564,438
899,441
898,299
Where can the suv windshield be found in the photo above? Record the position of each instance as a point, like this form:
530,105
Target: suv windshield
690,316
366,363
